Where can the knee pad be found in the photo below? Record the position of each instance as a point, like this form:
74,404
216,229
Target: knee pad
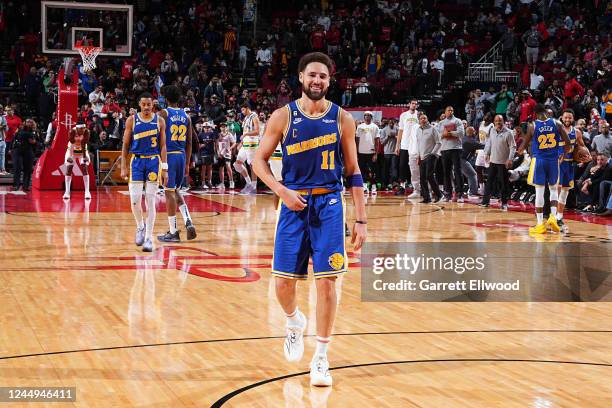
151,188
135,193
554,193
563,195
539,198
239,167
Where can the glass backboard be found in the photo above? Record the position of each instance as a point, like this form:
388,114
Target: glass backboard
104,25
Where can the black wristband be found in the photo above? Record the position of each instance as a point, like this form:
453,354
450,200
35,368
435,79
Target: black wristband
360,222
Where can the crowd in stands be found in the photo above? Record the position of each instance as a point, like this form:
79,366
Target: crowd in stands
384,52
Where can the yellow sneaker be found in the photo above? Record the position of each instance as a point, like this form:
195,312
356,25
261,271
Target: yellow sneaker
538,229
552,223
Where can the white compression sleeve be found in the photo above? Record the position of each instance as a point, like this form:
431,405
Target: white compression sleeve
539,201
150,195
135,200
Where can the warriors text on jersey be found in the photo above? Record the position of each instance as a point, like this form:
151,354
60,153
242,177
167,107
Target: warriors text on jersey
145,137
311,149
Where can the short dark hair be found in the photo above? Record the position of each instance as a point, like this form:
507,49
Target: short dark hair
172,93
569,110
604,154
315,57
145,95
246,104
539,109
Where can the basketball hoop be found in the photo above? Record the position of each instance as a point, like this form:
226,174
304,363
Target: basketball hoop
88,54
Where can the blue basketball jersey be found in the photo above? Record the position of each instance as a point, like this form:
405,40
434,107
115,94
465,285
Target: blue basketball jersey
312,153
546,140
145,136
569,156
176,130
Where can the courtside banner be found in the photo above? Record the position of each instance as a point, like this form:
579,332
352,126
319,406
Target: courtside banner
486,272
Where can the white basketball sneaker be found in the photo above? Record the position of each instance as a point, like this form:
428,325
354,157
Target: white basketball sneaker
66,196
414,194
294,342
319,372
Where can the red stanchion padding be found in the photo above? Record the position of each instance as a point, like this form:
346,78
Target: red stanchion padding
50,168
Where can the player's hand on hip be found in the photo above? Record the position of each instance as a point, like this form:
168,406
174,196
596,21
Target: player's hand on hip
292,199
359,235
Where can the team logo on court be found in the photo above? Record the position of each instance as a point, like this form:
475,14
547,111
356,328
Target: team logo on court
152,176
336,261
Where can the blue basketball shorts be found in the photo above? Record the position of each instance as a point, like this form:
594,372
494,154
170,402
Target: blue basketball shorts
317,231
176,170
543,171
145,169
566,174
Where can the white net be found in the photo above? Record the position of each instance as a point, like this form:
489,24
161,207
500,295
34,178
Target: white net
89,54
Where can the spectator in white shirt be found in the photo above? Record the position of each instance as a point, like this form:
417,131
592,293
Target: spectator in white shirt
264,60
535,80
324,21
407,149
368,139
97,99
437,70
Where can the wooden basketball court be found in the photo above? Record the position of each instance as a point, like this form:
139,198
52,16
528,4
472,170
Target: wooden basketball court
197,324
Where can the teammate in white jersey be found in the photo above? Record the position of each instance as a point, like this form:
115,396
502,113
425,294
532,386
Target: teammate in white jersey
248,145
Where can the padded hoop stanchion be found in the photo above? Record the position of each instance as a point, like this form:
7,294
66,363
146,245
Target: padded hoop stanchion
50,169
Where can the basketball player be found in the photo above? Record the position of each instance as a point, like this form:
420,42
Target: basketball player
77,151
145,139
317,139
566,168
547,134
178,146
248,145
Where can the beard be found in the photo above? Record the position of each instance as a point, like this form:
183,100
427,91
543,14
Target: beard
314,95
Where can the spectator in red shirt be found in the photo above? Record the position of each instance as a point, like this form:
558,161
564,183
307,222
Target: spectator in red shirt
317,39
109,107
13,122
126,69
267,80
155,59
333,39
527,106
572,87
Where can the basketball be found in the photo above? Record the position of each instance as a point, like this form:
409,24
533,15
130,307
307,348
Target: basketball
582,154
